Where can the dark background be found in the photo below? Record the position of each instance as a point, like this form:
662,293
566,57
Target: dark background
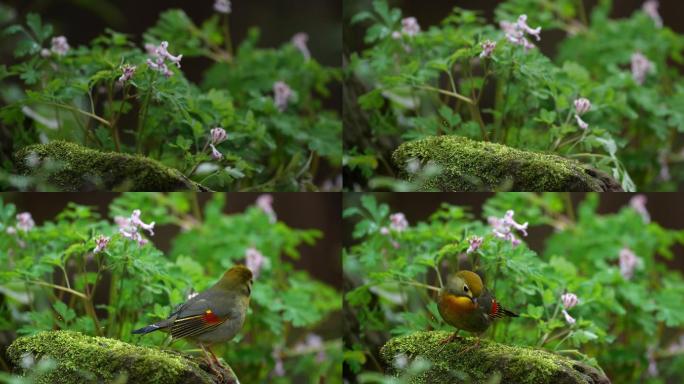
665,209
670,10
298,210
82,20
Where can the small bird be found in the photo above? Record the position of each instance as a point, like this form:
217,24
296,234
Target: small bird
213,316
466,304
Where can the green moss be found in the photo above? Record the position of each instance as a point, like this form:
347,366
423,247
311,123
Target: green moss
461,361
86,359
77,168
468,165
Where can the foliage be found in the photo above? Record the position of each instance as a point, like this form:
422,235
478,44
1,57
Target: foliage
622,323
436,83
78,97
127,286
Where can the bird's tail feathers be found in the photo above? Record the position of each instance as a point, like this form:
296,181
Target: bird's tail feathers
508,313
149,328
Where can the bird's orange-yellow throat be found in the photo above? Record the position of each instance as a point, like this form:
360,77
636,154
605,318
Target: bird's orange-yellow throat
466,304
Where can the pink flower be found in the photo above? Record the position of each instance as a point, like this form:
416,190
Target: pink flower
215,153
254,260
582,106
474,244
628,263
581,123
522,25
299,40
651,9
25,221
641,66
279,369
130,227
11,231
664,166
487,48
503,228
223,6
60,46
160,55
638,203
569,300
128,72
396,35
515,32
218,135
571,320
652,363
398,222
312,343
282,95
101,242
384,231
410,27
265,203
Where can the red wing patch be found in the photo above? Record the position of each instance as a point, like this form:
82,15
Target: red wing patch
495,308
195,325
210,318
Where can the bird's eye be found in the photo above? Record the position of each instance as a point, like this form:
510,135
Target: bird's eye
465,288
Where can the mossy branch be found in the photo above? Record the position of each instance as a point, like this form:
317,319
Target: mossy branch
85,359
464,361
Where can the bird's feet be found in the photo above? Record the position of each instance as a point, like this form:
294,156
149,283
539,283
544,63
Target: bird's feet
450,338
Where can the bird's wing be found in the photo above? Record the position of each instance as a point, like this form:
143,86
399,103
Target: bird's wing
194,318
492,308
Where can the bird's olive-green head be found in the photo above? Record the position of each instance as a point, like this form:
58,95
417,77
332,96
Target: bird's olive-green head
465,283
238,278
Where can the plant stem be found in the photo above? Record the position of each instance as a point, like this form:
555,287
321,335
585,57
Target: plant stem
417,284
143,114
61,288
582,12
452,94
226,36
78,110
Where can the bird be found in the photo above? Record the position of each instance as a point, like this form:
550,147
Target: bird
466,304
213,316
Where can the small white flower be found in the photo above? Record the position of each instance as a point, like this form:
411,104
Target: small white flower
396,35
215,154
651,9
582,106
25,221
398,222
299,40
45,52
159,56
571,320
384,231
487,48
11,230
223,6
664,173
569,300
581,123
218,135
254,260
641,67
282,95
410,27
60,46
